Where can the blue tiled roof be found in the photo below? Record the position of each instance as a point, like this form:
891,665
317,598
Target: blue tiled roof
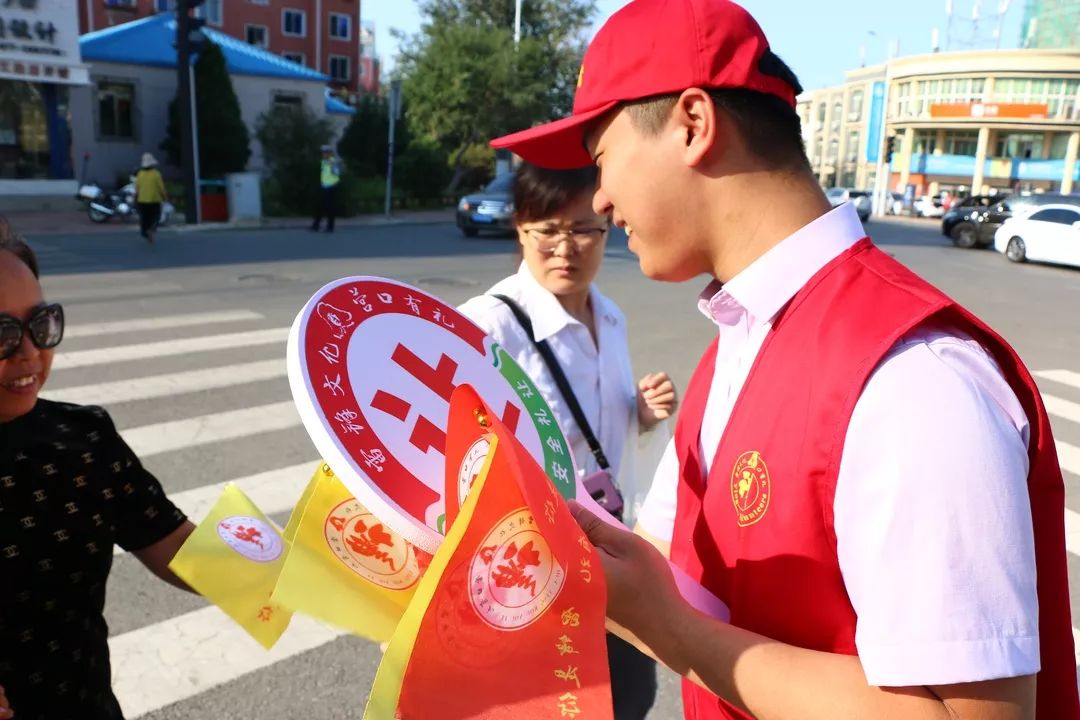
149,41
333,105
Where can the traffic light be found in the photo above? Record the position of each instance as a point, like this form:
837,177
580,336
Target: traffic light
889,142
189,26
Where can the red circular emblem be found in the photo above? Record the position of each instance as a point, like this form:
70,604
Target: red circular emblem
372,364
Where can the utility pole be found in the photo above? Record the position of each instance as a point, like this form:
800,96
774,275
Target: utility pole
189,40
394,111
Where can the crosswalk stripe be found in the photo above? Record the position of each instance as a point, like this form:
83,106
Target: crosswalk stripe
66,293
149,440
165,348
1072,531
1065,377
1059,407
1068,457
272,492
159,323
186,655
159,386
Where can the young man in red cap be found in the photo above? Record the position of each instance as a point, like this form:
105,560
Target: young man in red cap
861,470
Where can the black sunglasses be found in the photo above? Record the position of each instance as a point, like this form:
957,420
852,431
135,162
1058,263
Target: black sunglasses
45,325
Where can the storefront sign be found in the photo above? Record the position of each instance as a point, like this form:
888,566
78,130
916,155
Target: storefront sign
994,111
39,41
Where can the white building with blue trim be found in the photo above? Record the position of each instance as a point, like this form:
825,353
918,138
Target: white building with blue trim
123,110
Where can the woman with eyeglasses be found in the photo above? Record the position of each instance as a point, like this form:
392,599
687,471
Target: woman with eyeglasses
551,318
70,489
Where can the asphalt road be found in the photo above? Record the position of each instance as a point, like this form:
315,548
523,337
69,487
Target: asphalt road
176,658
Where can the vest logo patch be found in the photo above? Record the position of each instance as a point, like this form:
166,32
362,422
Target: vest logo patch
751,488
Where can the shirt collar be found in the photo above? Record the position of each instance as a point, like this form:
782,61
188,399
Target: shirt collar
547,314
768,283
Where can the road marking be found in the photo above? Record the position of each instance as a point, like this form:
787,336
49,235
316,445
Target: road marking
1059,407
1065,377
149,440
273,492
109,292
1072,531
1068,457
158,386
186,655
165,348
159,323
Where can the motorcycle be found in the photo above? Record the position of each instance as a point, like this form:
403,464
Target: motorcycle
101,206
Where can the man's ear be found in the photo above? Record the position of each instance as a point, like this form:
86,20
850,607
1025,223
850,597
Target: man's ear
695,122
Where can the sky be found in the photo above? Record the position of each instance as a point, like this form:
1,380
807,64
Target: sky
818,44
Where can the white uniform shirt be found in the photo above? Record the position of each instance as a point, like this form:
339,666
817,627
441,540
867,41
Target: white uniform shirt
932,517
599,372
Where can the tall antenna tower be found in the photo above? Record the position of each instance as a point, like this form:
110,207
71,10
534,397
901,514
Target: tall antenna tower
978,30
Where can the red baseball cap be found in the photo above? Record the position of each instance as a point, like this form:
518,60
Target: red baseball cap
653,47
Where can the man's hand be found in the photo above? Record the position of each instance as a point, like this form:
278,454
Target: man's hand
657,399
641,592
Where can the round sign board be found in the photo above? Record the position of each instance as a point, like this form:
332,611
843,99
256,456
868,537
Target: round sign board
372,364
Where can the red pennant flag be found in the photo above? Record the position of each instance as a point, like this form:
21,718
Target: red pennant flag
509,619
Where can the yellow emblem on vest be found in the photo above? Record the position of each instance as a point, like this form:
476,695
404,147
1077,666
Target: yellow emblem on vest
581,75
751,488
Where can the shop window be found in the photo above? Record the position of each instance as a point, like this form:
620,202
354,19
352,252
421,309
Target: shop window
116,113
25,152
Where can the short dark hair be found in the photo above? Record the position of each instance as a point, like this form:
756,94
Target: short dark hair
769,126
540,192
13,243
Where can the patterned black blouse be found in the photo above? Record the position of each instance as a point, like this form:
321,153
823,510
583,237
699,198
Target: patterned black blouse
70,488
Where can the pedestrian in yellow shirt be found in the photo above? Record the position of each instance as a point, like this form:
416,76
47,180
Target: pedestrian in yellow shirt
149,194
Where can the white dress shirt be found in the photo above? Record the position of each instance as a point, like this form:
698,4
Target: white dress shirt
932,517
599,372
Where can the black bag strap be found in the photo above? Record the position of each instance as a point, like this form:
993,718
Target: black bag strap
557,373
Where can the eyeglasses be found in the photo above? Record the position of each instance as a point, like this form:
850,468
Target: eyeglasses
548,239
45,325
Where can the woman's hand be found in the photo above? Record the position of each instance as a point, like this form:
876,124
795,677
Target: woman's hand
5,707
657,399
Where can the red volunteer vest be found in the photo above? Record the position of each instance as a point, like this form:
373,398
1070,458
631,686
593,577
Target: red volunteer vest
759,534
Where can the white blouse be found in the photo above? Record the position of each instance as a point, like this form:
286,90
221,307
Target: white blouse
599,372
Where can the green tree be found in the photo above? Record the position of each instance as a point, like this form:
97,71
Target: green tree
291,137
466,82
363,144
224,140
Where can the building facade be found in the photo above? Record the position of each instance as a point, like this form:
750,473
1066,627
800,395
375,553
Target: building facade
1051,24
324,35
39,66
123,111
965,122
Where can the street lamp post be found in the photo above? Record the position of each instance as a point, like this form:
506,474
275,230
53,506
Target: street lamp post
517,22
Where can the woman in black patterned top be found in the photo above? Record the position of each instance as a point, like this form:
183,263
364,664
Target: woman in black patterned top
70,488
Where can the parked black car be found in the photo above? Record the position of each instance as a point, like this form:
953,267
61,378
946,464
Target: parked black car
490,209
973,221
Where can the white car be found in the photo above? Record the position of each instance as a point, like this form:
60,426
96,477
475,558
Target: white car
929,207
1050,233
859,198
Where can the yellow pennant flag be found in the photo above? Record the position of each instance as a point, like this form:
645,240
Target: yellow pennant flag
345,566
233,560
